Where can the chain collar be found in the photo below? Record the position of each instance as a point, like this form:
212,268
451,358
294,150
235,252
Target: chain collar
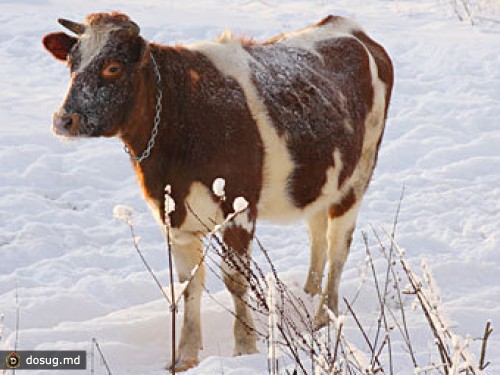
156,121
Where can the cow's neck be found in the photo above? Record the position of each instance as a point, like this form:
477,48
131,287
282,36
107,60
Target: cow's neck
166,158
137,131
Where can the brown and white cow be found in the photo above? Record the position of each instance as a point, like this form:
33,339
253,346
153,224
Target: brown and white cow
293,125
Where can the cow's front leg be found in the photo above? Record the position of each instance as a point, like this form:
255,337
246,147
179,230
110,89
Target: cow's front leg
235,268
187,249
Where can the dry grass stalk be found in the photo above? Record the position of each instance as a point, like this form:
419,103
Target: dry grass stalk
101,355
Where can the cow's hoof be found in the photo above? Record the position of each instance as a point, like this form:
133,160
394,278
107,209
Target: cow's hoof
183,365
312,288
313,284
321,320
245,349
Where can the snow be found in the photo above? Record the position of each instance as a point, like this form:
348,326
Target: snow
240,204
218,187
79,276
169,201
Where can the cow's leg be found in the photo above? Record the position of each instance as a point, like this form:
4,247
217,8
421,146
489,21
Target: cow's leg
341,223
317,226
235,267
187,249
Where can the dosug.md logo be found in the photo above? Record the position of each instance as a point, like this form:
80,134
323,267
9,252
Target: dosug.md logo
13,360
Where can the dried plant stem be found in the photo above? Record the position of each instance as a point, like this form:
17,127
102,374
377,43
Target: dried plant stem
92,358
173,306
337,342
2,318
382,302
466,8
445,357
403,328
486,335
101,354
146,264
294,353
16,342
432,317
365,336
465,5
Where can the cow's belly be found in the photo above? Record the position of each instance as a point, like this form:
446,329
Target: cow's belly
276,203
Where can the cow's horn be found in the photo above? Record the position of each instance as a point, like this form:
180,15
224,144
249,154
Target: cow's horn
77,28
134,28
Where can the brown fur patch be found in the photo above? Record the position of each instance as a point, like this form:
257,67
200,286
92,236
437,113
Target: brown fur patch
238,239
113,18
339,209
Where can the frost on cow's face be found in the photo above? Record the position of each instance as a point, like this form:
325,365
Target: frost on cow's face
103,62
102,89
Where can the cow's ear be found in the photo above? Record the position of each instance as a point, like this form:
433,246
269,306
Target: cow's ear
59,44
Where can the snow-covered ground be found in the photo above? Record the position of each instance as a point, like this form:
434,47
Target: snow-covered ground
77,271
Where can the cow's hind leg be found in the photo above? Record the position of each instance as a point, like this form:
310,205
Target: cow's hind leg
235,267
317,226
188,252
341,223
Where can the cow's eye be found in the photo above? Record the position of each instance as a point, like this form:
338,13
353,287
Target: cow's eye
112,70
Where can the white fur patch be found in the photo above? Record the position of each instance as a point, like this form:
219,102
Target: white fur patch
308,37
92,41
243,220
205,212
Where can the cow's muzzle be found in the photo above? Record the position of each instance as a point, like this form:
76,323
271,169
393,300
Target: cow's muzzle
65,125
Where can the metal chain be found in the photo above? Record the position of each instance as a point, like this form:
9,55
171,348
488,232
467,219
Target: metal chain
156,121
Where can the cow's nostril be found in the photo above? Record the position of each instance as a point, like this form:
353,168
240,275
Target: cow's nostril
66,125
67,121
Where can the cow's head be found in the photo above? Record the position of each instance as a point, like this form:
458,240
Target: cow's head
104,60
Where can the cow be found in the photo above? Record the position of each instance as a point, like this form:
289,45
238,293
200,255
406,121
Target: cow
292,124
